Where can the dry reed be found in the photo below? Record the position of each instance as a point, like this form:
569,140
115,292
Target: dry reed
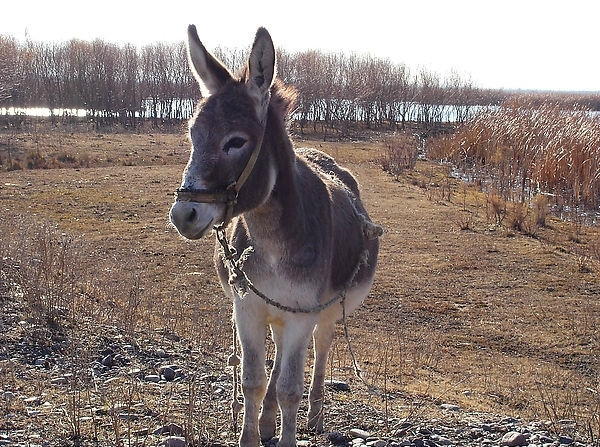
523,148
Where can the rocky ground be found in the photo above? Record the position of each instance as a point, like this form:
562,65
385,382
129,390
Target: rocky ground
152,389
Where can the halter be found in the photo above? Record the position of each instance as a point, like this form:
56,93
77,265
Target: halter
229,195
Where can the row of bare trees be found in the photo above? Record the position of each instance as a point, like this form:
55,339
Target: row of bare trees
126,84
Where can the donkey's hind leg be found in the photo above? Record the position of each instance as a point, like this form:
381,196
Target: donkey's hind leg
268,417
322,336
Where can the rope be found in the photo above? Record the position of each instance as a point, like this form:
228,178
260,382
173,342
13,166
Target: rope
241,284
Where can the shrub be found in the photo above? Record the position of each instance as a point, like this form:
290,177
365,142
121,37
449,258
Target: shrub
400,155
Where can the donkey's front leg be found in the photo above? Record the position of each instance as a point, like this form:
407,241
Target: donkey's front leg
251,329
268,416
296,337
322,336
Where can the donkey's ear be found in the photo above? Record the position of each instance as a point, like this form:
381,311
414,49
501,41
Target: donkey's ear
210,73
261,71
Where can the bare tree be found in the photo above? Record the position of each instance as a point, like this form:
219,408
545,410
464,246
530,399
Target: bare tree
10,74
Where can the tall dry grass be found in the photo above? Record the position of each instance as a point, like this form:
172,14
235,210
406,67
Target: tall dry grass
523,148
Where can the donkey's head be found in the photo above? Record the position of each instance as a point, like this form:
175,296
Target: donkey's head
226,133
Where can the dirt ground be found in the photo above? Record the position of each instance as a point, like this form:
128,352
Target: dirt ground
464,310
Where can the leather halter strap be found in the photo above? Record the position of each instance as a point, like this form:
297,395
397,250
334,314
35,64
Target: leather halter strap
229,195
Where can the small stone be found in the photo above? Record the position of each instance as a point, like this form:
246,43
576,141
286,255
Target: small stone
359,433
40,362
9,395
337,385
565,439
169,429
418,442
129,416
161,353
514,439
377,443
174,441
441,440
33,413
335,437
168,373
303,443
59,381
450,407
152,378
108,361
35,400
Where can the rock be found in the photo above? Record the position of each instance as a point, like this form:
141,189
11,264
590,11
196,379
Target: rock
152,378
514,439
337,385
169,429
168,373
161,353
450,407
9,395
108,361
359,433
303,443
59,381
418,442
174,441
377,443
335,437
565,439
35,400
441,440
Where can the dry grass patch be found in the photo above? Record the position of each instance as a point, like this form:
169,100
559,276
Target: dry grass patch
508,325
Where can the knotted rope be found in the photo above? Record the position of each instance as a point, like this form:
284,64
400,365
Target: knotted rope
241,285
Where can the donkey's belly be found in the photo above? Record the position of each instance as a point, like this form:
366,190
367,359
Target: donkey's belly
354,298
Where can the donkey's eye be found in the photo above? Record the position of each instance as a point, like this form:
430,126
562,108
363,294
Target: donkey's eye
234,143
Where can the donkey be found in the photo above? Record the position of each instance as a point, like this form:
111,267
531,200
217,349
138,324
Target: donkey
311,262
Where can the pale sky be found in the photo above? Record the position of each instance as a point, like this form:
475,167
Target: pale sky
512,44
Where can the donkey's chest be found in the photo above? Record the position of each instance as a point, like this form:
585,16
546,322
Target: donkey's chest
283,278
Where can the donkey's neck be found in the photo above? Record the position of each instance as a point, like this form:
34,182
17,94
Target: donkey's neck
282,214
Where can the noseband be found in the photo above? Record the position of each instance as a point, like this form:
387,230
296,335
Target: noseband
228,195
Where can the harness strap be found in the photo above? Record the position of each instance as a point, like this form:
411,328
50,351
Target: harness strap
229,195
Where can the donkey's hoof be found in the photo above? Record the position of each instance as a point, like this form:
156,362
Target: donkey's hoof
267,429
272,442
315,422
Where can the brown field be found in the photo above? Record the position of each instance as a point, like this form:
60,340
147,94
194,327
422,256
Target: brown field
464,309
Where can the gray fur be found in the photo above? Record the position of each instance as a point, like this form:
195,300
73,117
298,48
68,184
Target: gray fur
303,216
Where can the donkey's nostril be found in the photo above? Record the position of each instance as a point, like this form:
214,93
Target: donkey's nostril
192,215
